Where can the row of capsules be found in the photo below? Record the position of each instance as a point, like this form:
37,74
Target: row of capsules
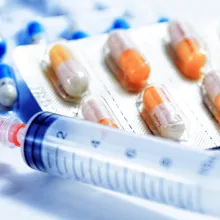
34,33
69,78
192,59
155,104
71,82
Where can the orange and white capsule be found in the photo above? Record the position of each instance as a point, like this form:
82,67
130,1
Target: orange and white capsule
189,50
161,114
211,91
69,72
133,70
95,109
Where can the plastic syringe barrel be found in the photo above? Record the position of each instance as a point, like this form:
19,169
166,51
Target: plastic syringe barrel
146,167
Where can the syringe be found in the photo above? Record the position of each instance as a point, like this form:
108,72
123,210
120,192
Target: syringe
142,166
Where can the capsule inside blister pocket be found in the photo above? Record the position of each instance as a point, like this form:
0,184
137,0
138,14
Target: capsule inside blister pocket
70,73
161,114
51,76
190,53
127,64
66,74
96,109
211,93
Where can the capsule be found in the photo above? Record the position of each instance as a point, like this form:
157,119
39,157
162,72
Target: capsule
95,109
35,33
161,114
134,68
211,90
69,72
8,90
51,76
211,107
189,50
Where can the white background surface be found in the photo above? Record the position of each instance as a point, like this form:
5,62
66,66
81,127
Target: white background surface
27,194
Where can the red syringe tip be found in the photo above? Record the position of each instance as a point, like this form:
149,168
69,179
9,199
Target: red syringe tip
11,131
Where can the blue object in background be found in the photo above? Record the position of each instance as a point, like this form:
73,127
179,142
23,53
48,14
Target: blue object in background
3,48
6,71
32,34
8,89
78,35
163,20
34,28
99,6
120,23
35,32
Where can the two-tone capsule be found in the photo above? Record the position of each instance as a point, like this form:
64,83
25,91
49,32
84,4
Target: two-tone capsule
71,75
190,53
51,76
160,113
211,92
95,109
126,62
8,90
35,33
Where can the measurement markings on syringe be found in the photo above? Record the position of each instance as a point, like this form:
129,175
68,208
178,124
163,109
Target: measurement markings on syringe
130,153
91,171
170,194
162,190
143,186
99,175
207,165
166,162
65,164
82,169
108,176
123,178
114,175
180,195
126,181
134,182
107,172
57,165
95,143
73,166
48,160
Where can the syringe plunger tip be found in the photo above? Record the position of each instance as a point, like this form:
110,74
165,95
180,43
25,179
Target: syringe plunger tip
10,131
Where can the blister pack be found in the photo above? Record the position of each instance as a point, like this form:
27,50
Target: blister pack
201,128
